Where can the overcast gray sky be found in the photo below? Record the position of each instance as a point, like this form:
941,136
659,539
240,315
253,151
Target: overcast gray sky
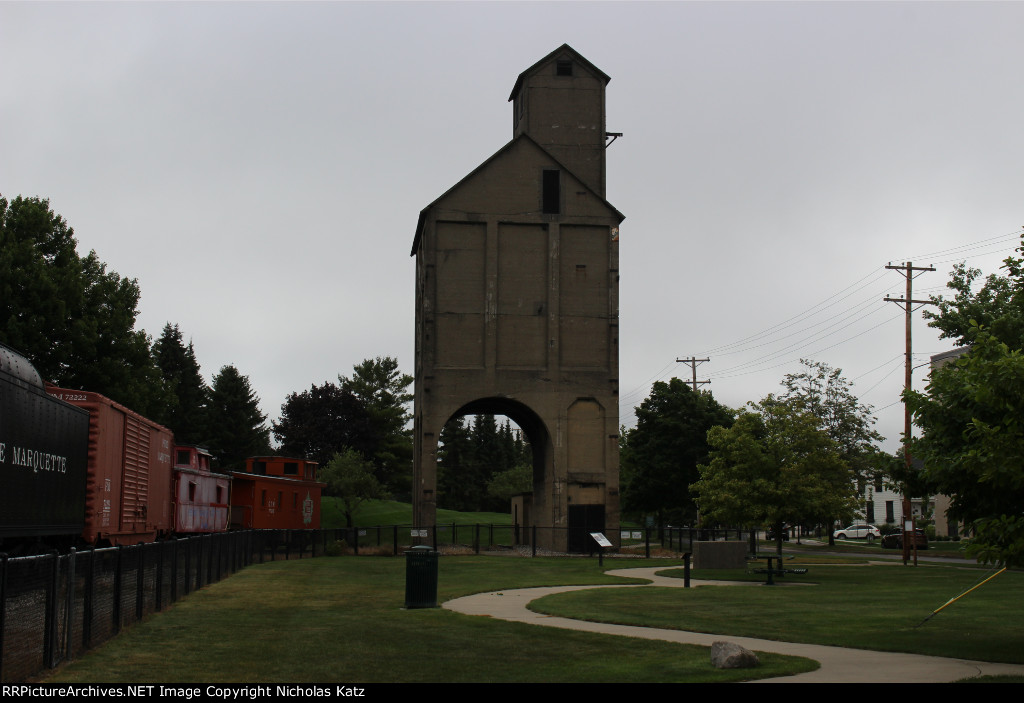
259,168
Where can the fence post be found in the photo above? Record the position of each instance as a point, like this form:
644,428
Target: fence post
117,591
69,617
395,536
434,532
211,548
188,565
50,619
90,581
476,539
174,570
533,538
160,552
218,541
647,542
140,577
3,607
199,562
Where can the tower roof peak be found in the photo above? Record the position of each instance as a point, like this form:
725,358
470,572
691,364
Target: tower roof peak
563,50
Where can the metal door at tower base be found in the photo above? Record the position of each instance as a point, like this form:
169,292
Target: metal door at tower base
584,519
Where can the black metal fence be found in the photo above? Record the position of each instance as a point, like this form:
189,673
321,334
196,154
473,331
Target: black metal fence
55,606
533,540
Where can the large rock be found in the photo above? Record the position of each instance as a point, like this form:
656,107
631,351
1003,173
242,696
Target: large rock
727,655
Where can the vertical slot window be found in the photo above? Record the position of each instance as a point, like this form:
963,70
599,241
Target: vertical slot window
552,192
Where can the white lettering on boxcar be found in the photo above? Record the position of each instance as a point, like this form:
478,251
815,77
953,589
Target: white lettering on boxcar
37,460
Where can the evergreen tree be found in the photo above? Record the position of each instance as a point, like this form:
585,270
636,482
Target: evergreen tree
185,389
458,486
481,464
382,389
237,427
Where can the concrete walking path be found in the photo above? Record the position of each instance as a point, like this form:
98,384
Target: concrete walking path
838,664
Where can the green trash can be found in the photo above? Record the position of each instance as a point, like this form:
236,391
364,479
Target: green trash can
421,577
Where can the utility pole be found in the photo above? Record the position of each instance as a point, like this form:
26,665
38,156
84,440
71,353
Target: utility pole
907,270
692,361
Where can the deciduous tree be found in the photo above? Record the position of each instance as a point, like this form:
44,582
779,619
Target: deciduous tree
825,393
324,421
74,319
973,443
997,305
775,464
660,456
350,477
972,439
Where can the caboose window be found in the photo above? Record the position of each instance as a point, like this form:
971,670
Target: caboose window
291,468
191,492
183,457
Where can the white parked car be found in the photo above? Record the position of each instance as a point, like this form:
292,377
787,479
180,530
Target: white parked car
858,531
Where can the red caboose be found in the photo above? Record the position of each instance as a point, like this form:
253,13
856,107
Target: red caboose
276,493
127,499
200,496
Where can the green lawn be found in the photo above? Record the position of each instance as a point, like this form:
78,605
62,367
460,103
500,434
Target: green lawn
851,605
390,512
341,620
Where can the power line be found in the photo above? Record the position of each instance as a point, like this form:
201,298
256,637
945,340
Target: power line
810,329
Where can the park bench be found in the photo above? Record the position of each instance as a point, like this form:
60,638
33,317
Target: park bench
772,571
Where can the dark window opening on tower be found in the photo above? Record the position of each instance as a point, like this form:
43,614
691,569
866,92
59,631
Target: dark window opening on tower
563,68
552,194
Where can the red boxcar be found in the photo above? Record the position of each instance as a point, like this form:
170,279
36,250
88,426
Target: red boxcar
276,493
128,488
200,496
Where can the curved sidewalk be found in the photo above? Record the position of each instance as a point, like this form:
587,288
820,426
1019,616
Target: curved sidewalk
838,664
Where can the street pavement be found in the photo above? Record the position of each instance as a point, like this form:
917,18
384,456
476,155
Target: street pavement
838,664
